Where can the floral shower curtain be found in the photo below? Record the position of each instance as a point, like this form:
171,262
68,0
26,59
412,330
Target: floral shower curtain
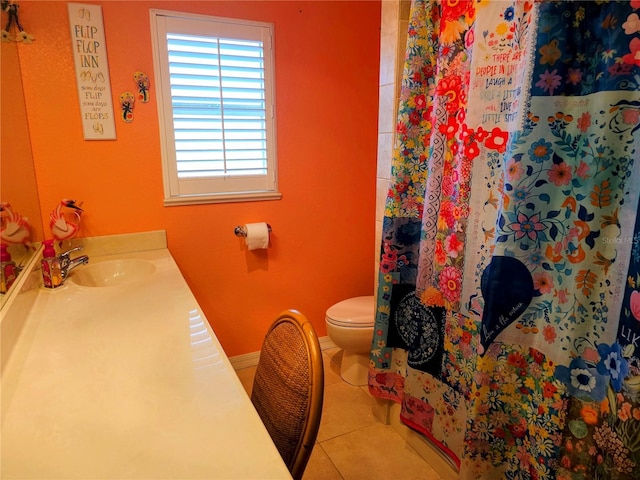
508,307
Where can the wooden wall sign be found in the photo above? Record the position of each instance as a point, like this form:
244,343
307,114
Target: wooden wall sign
92,71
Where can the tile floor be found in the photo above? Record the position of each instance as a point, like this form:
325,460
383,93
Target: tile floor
352,443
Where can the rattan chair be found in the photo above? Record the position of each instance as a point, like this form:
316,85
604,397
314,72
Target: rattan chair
288,388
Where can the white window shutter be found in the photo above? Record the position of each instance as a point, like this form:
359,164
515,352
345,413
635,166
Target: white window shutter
216,107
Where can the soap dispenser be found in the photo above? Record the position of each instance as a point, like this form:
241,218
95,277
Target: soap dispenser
8,270
51,274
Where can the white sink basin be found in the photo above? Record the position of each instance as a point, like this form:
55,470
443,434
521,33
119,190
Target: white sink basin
111,273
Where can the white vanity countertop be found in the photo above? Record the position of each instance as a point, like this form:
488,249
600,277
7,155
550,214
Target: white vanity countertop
128,382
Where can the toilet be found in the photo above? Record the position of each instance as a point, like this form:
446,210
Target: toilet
350,327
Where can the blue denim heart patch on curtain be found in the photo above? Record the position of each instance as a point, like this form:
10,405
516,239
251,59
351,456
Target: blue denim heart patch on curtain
507,288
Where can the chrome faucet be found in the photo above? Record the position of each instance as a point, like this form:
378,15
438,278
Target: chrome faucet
67,263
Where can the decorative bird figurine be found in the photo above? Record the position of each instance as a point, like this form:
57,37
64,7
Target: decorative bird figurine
14,228
65,220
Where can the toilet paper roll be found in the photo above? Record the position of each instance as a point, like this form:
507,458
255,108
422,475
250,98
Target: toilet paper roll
257,235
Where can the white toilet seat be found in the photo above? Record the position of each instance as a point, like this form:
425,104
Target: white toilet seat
356,312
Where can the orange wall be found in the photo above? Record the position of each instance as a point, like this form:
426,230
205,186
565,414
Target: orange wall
327,57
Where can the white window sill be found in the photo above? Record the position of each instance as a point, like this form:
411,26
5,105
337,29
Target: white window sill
222,198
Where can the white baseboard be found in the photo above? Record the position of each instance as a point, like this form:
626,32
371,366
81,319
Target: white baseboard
245,361
251,359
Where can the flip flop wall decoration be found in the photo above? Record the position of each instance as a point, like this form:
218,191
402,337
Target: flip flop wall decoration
142,81
127,101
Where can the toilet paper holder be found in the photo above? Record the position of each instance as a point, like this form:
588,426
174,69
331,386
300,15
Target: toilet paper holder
241,231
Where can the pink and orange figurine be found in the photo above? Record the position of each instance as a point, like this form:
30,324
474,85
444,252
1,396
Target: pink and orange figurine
14,228
65,220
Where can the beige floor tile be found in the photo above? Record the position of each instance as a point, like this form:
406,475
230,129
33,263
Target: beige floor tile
246,377
335,354
331,367
354,444
320,466
377,452
346,408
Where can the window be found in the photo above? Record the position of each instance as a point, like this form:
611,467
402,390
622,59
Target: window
216,107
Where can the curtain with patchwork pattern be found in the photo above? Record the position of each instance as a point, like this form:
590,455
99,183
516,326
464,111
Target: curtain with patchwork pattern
508,303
